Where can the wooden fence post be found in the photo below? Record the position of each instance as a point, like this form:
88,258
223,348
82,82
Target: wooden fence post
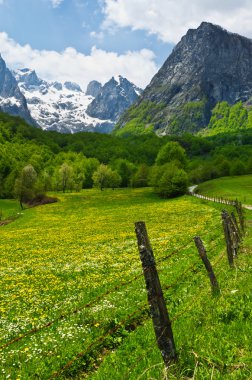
159,313
236,226
234,236
228,238
239,211
208,266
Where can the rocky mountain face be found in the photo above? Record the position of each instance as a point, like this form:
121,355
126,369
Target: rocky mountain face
207,66
113,99
66,108
12,101
58,106
94,88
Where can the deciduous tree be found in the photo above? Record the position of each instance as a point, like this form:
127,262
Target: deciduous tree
25,185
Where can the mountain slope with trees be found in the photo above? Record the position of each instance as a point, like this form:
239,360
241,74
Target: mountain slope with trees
209,65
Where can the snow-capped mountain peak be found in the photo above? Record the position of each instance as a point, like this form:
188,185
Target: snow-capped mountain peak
27,78
71,86
57,106
117,78
66,108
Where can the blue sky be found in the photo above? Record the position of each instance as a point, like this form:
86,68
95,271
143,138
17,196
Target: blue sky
82,40
75,23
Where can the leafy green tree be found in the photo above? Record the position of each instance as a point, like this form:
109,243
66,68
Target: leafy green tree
140,178
89,166
25,185
125,169
171,181
237,168
220,115
224,168
172,151
105,177
78,175
190,117
222,165
115,179
238,117
66,177
228,118
249,166
45,181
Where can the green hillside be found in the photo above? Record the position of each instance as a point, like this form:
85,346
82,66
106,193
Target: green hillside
239,187
229,118
147,117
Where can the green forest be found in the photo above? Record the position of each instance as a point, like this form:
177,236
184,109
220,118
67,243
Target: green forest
34,161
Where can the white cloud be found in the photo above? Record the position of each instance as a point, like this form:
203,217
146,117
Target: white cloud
99,36
170,19
71,65
56,3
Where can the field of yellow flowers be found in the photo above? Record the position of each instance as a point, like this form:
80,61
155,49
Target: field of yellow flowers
57,259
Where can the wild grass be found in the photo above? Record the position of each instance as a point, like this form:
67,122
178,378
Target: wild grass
8,208
229,187
57,259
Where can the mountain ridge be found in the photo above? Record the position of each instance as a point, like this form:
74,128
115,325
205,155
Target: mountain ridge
117,91
207,66
63,106
12,101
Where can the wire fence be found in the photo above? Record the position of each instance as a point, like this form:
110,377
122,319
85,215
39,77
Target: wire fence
144,307
99,340
214,199
142,311
92,302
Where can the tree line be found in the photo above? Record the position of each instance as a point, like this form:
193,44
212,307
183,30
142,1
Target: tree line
33,161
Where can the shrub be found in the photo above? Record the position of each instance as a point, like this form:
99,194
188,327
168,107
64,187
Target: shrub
170,181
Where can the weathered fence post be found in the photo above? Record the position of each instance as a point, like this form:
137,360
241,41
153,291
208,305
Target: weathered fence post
159,313
208,266
239,210
234,236
236,226
228,237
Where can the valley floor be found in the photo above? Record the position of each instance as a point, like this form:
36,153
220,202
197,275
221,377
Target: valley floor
73,300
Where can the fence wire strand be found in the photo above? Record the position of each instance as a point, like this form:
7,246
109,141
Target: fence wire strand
98,340
89,304
86,305
122,324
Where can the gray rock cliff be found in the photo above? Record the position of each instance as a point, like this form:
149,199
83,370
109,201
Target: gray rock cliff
113,99
94,88
12,100
72,86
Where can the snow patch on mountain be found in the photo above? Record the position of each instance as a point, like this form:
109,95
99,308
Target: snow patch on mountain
66,108
12,101
57,106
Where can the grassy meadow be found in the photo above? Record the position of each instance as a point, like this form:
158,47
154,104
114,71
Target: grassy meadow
73,300
9,208
239,187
